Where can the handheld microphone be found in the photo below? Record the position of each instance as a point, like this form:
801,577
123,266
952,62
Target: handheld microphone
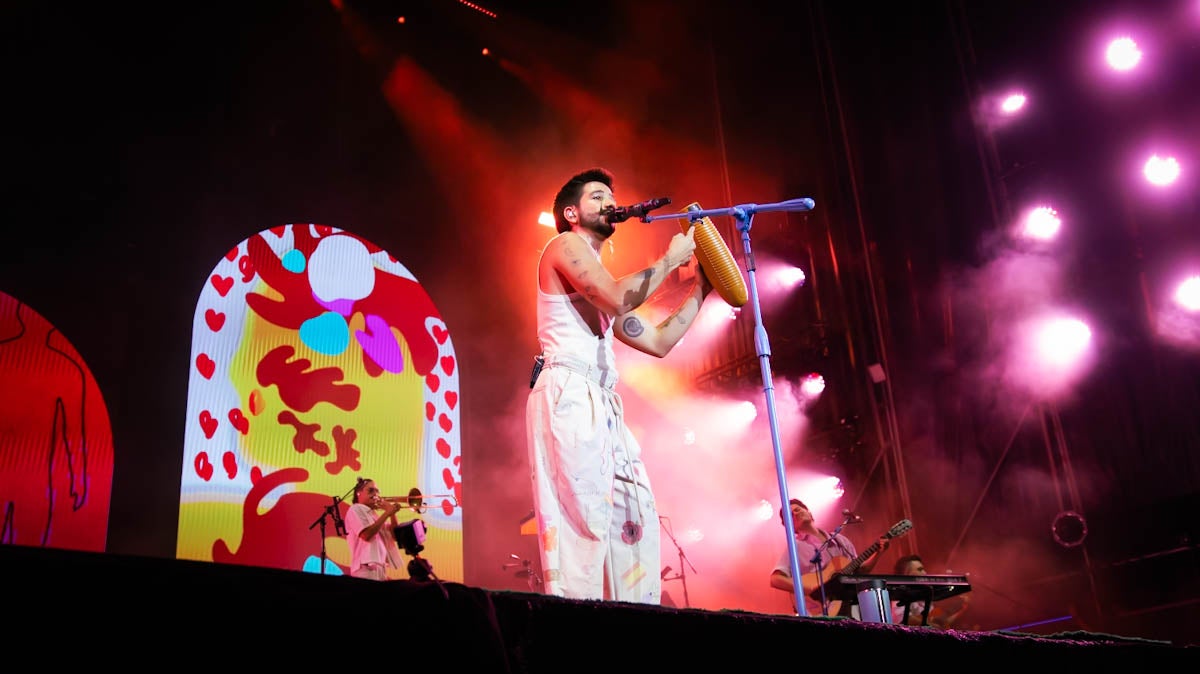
623,213
851,518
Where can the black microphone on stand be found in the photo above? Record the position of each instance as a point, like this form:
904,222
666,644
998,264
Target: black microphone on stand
339,525
623,213
851,518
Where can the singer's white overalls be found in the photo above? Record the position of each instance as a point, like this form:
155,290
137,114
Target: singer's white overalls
597,525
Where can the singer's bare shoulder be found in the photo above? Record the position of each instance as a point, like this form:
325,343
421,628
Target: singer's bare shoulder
570,264
564,257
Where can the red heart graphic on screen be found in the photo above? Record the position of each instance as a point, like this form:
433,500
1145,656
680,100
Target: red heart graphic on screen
222,284
205,365
239,422
433,382
440,334
443,448
215,319
208,424
445,423
230,462
203,468
246,267
448,364
451,399
232,254
429,411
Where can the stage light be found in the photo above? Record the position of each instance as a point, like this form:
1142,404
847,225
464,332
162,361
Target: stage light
410,536
1187,295
689,436
747,412
764,511
1123,54
811,387
478,8
1061,341
1069,528
791,277
1042,223
546,219
1161,170
1012,103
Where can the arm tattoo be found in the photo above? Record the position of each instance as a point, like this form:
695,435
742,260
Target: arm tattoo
635,297
632,326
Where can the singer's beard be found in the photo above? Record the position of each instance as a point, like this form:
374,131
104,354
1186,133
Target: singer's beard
600,227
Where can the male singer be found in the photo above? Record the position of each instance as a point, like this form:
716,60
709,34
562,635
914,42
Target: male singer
598,530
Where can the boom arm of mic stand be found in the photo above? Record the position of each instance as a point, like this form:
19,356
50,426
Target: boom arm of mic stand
742,212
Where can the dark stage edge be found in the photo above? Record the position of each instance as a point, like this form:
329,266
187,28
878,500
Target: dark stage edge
102,608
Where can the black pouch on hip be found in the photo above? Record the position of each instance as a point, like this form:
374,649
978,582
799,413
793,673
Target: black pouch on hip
538,362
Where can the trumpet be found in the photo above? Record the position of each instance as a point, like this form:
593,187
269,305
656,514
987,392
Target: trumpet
416,501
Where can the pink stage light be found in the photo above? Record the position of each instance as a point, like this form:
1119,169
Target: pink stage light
1187,295
1061,341
745,412
811,387
791,277
1161,171
1012,103
764,511
1123,54
1042,223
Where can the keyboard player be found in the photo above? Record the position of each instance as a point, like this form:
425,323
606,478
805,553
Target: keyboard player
942,615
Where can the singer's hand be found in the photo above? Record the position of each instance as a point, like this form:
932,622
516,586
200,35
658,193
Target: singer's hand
681,249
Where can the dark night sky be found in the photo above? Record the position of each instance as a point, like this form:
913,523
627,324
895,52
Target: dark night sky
142,141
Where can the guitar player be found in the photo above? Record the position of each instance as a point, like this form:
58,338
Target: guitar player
837,555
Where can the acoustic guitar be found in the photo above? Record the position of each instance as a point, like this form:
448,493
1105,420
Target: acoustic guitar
840,566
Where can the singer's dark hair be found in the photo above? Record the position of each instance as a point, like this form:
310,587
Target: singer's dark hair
790,501
572,192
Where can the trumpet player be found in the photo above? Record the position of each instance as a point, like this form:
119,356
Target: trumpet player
369,523
598,530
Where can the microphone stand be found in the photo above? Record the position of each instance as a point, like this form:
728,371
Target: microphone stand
820,567
682,575
744,214
339,525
